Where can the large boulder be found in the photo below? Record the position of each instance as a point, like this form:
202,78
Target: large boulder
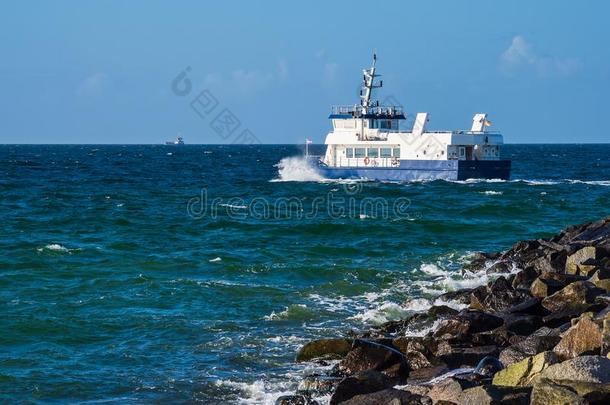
324,348
498,295
466,323
578,293
295,400
593,369
521,374
550,393
579,257
541,340
543,287
584,337
364,382
449,389
370,355
389,396
491,394
459,356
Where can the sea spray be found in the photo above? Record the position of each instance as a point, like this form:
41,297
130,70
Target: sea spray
296,168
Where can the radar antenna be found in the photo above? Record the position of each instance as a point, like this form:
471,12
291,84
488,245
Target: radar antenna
368,85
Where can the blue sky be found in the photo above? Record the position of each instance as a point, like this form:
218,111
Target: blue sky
102,72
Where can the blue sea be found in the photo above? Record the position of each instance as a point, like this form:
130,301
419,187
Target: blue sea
162,274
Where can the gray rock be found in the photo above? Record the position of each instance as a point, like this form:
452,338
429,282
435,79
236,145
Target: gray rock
324,348
487,395
593,369
361,383
550,393
387,397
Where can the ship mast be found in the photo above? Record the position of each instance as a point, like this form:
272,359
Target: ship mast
368,85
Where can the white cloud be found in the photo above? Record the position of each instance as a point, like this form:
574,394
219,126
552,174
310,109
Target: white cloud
93,85
521,55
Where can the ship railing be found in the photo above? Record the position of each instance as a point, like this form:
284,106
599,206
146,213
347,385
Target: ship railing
372,162
359,110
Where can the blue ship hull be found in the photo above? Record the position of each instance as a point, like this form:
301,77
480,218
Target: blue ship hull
414,170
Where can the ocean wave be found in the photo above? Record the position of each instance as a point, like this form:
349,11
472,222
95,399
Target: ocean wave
491,192
292,312
605,183
55,247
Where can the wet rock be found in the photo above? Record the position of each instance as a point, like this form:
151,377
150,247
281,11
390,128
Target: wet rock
563,316
522,324
578,293
424,345
317,385
584,337
523,279
364,382
496,337
491,394
449,390
294,400
579,257
416,360
522,373
458,296
467,323
455,356
387,397
441,311
532,306
500,267
593,369
593,393
423,375
369,355
550,393
542,287
324,348
498,295
540,341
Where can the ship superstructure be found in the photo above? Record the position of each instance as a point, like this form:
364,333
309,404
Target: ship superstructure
367,142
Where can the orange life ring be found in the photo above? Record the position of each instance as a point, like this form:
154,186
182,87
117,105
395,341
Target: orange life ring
367,160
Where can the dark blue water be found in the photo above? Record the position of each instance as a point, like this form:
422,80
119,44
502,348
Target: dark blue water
139,274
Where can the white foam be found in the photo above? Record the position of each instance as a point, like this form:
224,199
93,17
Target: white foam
256,392
491,192
55,247
215,260
590,182
239,207
388,311
296,168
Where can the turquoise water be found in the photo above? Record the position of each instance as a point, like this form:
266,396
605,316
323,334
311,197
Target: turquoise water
139,274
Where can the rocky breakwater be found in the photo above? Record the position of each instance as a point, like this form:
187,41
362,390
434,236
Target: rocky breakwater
537,335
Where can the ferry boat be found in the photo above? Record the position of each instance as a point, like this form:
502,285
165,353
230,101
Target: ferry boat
366,142
179,141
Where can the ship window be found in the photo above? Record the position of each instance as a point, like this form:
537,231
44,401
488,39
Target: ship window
373,152
349,152
396,152
462,151
359,152
385,152
385,124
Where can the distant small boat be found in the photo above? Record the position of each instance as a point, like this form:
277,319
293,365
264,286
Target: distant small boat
178,141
